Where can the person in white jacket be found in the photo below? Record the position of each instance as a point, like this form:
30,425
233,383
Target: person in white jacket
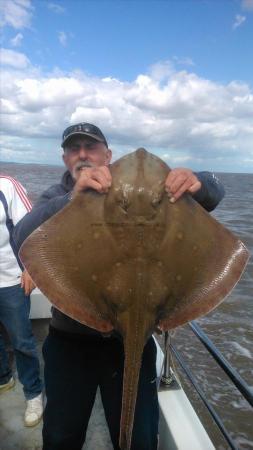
15,288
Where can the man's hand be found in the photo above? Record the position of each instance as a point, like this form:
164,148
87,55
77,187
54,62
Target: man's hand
27,283
180,181
97,178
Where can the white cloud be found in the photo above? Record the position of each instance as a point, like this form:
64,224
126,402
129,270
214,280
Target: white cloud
17,40
62,36
55,7
161,70
16,13
13,59
176,114
8,106
184,61
247,4
238,21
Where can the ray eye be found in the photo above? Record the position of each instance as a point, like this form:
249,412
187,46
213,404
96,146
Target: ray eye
156,201
122,201
125,204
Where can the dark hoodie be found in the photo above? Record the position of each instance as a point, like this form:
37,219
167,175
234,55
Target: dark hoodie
58,196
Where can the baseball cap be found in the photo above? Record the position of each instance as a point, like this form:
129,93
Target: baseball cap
83,128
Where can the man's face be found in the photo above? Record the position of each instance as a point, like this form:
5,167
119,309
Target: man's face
84,151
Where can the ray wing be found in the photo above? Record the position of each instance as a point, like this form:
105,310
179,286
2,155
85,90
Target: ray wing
203,260
69,257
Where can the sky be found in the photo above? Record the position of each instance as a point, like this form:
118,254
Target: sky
173,76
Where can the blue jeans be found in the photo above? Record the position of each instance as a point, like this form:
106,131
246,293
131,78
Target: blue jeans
74,368
14,315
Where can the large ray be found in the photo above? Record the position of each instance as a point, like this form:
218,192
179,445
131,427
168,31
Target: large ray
132,261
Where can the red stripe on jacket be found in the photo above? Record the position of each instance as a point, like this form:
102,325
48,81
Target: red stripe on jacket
20,191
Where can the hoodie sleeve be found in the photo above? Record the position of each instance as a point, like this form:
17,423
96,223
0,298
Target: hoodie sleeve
211,192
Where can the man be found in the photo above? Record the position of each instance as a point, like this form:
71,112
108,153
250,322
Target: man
77,358
15,288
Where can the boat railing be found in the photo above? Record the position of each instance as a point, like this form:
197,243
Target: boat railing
167,377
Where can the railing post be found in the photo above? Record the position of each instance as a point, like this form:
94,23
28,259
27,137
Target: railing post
168,378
